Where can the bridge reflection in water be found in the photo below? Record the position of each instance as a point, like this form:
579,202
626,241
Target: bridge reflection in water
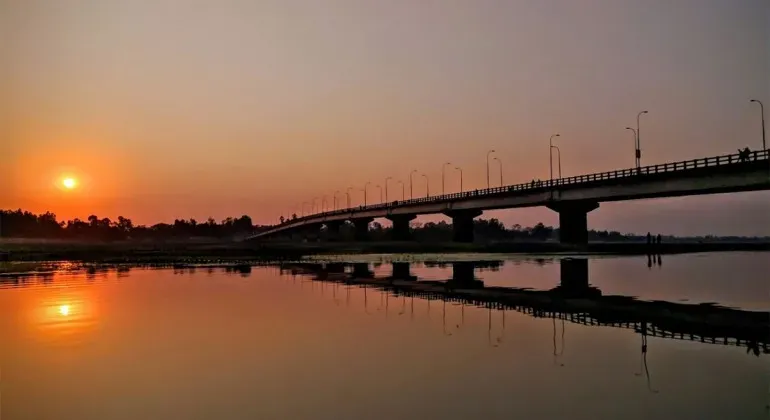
573,300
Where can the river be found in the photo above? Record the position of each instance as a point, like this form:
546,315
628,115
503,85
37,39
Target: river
271,342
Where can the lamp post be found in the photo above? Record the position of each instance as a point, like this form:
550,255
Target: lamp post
402,190
762,110
380,187
427,185
461,178
411,187
636,147
488,153
558,158
347,192
443,167
501,170
550,153
386,187
639,140
335,199
324,204
365,188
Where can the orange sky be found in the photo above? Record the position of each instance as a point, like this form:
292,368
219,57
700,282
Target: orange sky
170,109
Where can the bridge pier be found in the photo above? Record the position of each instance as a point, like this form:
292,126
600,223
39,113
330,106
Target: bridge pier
462,223
574,274
401,271
464,275
573,220
400,231
361,228
333,229
362,271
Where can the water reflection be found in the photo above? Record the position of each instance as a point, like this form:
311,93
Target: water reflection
66,317
574,299
249,348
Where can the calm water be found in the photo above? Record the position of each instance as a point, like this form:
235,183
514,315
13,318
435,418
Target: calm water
269,344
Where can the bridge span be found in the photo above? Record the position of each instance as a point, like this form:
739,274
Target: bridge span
573,198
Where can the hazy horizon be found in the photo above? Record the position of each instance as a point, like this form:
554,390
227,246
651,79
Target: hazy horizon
176,109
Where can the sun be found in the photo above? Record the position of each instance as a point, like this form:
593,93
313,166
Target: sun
69,183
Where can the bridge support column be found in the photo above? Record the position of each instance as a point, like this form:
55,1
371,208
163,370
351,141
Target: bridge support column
574,274
361,228
462,223
400,231
401,271
463,275
573,220
333,229
362,271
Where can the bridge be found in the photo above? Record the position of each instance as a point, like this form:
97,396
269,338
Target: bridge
573,198
574,300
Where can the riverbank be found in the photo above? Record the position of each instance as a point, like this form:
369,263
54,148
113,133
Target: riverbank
170,252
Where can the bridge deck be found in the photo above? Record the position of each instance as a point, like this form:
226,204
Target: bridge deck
543,191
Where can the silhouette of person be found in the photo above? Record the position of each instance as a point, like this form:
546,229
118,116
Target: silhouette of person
743,155
658,239
649,238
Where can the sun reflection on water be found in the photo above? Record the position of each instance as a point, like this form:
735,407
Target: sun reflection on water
64,315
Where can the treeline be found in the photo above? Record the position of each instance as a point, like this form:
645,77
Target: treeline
24,224
484,229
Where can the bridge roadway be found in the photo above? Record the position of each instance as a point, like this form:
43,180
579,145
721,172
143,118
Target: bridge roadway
573,300
573,198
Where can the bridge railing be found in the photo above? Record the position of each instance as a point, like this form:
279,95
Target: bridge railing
686,165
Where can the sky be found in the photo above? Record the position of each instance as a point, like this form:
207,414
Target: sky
165,109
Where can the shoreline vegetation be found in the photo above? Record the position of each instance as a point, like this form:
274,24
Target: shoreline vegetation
181,251
29,237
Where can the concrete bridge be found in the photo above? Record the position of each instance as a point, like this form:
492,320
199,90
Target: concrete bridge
573,300
573,198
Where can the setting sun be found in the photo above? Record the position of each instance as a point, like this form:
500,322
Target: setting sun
64,310
69,183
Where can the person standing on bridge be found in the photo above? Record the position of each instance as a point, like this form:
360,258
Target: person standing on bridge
743,155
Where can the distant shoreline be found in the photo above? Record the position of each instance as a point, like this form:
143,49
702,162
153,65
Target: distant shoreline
128,252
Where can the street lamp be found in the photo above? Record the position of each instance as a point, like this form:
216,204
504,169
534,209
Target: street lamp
636,147
491,151
558,158
550,153
427,186
411,189
365,187
386,187
443,167
639,140
461,178
347,192
402,190
762,110
335,199
501,170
